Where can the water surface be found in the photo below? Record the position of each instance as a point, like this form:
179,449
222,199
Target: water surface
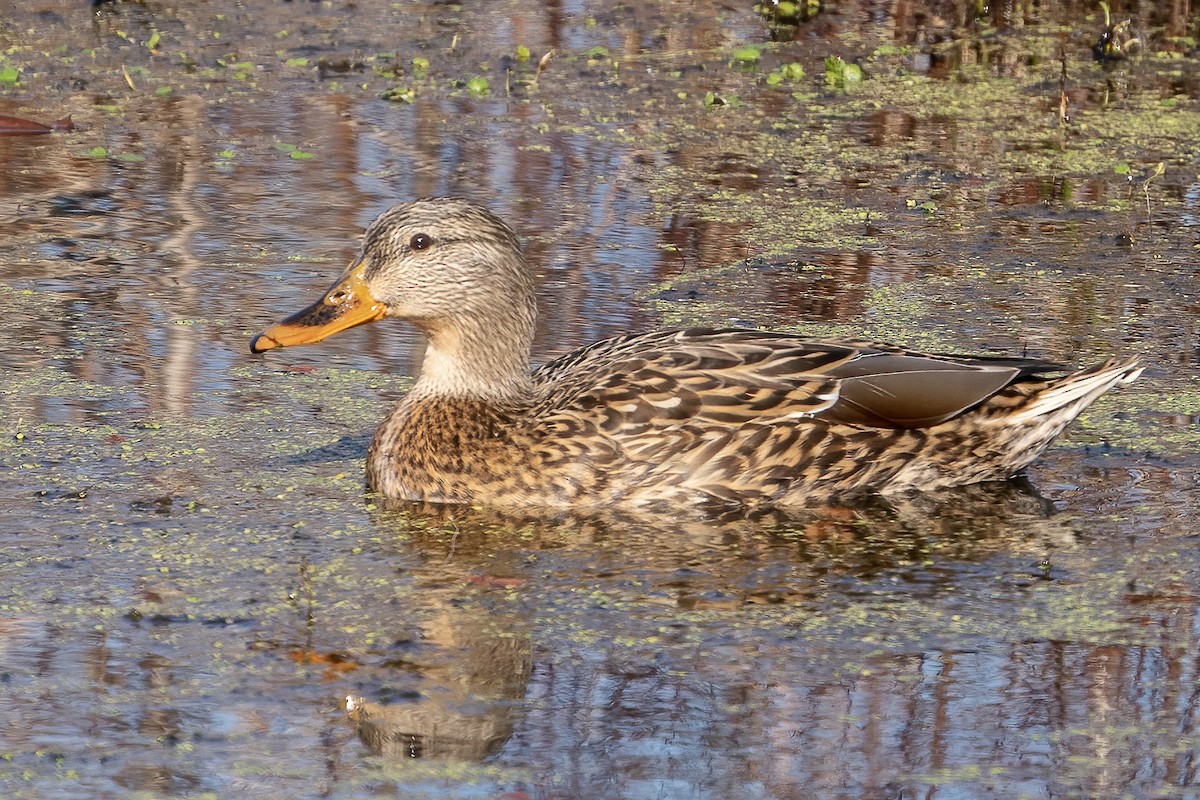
197,599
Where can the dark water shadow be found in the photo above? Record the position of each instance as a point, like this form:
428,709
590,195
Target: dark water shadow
350,446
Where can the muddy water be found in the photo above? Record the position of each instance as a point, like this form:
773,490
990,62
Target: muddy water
196,598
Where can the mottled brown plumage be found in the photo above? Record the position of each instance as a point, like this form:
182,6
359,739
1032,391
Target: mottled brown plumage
687,416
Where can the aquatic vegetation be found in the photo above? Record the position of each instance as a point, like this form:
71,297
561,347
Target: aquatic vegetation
194,581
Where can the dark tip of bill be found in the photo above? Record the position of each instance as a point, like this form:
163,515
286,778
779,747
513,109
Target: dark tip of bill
262,343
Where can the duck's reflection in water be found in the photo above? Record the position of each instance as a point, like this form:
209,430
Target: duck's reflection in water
492,584
465,708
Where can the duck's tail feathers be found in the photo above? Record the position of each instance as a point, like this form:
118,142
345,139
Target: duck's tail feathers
1068,397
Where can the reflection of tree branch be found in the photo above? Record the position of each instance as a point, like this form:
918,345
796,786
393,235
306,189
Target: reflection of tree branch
178,366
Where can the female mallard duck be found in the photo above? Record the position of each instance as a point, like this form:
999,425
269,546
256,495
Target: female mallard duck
696,415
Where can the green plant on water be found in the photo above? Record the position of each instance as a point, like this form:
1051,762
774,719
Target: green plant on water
478,86
747,55
388,69
420,65
714,100
294,152
788,72
1116,40
400,94
522,53
841,75
788,12
100,152
9,75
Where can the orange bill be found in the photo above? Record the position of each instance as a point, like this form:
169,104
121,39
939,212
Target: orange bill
346,304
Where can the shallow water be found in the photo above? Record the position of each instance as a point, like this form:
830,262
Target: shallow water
197,599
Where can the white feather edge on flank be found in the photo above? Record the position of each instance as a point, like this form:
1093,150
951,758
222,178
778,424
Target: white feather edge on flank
1083,387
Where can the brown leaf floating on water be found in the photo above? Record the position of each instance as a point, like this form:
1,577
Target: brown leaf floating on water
17,126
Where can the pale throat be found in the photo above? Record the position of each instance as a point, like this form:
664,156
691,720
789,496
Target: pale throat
470,358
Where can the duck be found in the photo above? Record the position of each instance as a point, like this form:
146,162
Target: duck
666,418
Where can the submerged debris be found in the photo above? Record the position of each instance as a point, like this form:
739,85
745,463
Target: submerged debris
18,126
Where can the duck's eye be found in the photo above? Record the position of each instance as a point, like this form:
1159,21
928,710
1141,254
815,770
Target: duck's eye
420,241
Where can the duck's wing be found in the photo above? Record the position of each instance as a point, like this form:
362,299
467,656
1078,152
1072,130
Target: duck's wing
730,378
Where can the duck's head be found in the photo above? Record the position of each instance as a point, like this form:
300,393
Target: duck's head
445,264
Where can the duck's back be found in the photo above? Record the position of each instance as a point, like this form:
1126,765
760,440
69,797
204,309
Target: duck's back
757,417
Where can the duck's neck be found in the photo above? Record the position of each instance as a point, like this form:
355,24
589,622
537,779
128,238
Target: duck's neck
472,359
